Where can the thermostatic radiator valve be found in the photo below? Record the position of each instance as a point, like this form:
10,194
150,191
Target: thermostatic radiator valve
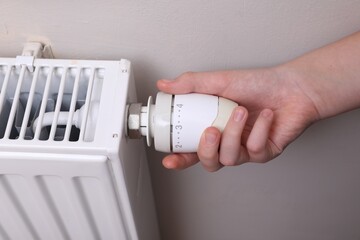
176,122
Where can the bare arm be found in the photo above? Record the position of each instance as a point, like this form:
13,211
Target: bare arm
330,76
276,104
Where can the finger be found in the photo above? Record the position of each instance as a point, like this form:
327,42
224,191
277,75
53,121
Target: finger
180,161
231,151
204,82
208,149
257,143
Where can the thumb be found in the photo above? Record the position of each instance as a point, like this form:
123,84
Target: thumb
202,82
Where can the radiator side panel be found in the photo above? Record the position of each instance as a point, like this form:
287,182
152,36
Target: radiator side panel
52,196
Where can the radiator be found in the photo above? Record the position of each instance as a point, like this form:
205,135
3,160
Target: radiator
67,171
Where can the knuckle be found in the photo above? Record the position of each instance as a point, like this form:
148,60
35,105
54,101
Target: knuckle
186,75
230,153
228,162
210,162
254,149
211,168
205,155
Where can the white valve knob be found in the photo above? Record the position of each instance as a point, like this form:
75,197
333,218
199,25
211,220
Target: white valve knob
176,122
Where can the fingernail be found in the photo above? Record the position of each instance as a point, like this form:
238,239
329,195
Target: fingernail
210,138
239,115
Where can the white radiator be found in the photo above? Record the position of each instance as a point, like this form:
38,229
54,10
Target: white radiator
67,173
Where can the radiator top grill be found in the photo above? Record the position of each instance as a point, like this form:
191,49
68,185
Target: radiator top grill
42,105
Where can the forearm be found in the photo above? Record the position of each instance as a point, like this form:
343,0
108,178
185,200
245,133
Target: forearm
329,76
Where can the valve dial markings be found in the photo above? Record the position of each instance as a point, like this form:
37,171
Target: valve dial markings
178,127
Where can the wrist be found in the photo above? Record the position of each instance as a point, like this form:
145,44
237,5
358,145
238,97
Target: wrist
330,76
306,97
330,88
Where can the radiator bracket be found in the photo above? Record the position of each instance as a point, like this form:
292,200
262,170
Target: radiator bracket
31,51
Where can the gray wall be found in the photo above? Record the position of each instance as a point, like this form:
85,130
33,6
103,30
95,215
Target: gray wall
310,192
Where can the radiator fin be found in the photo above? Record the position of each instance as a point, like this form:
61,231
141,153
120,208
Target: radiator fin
27,98
75,200
17,202
51,191
58,104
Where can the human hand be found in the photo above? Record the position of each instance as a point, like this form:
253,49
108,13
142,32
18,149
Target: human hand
273,111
